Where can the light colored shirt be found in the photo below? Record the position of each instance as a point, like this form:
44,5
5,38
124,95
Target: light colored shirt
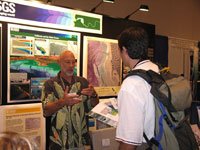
136,108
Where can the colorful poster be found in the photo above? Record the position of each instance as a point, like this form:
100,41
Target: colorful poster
43,15
102,65
26,119
33,54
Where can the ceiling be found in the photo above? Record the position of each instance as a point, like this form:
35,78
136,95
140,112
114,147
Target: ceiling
177,18
111,9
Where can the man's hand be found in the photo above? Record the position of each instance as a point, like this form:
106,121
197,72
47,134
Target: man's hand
91,92
70,98
88,91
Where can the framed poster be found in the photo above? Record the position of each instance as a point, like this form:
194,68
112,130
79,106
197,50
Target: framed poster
102,65
0,63
32,59
26,119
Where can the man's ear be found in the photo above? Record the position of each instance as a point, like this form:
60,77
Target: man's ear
58,61
124,49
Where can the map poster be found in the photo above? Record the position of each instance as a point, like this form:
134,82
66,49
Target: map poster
32,59
26,119
102,65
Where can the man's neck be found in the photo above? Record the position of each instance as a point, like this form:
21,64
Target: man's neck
68,78
133,63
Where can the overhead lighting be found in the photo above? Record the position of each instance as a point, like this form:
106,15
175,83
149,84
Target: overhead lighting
141,8
107,1
144,8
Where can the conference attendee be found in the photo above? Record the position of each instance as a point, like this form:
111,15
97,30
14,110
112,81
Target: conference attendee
67,99
16,141
135,102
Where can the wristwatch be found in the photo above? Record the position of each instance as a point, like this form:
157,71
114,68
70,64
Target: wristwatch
94,96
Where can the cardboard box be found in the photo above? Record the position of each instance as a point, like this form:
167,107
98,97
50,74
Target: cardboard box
104,139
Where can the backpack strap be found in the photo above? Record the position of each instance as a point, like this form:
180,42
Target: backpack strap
155,80
156,140
150,142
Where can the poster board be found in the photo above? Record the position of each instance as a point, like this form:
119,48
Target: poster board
26,119
32,59
102,65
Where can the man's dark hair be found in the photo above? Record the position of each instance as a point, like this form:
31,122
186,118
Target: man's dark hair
135,40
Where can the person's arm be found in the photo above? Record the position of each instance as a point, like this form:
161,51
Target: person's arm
124,146
67,100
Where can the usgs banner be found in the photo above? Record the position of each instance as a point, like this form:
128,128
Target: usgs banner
32,13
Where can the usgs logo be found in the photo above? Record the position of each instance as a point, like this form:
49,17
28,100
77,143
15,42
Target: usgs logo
7,7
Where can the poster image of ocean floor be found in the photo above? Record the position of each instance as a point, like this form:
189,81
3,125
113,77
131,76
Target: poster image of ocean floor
36,53
40,68
102,64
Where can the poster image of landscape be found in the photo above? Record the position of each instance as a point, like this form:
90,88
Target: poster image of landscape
32,59
58,46
102,65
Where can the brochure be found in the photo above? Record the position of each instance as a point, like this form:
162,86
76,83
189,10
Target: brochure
106,111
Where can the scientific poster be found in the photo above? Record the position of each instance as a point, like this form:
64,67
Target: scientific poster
26,119
32,57
102,65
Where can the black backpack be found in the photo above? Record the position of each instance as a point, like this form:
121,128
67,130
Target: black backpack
172,95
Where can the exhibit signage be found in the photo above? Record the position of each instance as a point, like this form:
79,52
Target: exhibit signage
26,119
49,16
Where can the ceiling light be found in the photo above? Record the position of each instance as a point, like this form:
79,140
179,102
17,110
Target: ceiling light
144,8
108,1
141,8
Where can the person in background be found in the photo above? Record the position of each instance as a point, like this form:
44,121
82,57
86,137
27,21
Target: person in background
18,93
15,141
67,99
135,102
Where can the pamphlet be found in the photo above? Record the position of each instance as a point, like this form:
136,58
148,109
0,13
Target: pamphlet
106,111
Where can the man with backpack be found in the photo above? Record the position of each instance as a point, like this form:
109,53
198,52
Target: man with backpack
151,102
135,102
